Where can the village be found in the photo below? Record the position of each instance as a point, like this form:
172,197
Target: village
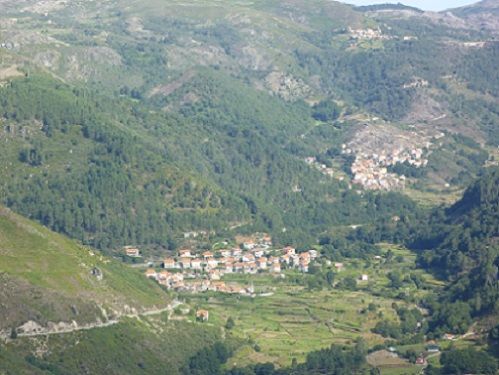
376,149
195,272
370,170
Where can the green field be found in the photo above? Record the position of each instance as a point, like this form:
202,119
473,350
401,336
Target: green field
293,320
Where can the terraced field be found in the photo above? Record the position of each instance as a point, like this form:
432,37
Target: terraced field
290,320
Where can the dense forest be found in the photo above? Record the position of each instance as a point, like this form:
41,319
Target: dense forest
110,172
464,249
97,199
458,244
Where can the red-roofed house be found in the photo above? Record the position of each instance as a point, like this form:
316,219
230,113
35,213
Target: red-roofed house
196,264
236,252
275,267
339,266
250,267
229,267
151,273
208,255
184,253
202,315
261,263
185,262
169,263
258,252
212,263
248,257
132,251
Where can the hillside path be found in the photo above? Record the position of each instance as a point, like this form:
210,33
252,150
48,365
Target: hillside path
68,328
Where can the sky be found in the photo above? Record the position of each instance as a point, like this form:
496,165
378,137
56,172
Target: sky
422,4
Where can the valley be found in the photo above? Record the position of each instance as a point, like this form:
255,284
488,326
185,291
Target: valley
266,187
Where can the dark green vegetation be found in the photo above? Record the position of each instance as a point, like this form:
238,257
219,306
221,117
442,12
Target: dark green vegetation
170,124
468,361
131,123
459,245
110,172
465,250
149,345
115,185
335,360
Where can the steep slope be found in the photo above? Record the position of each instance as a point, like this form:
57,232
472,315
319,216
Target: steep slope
482,15
461,243
469,229
180,117
112,172
91,168
150,345
46,277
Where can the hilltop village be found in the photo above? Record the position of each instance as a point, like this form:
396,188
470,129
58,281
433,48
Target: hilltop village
195,272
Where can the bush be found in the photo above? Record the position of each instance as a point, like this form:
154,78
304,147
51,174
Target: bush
230,323
326,111
468,361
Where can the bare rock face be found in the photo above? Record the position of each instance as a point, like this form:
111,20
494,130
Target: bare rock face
286,86
424,109
254,59
30,327
48,59
61,326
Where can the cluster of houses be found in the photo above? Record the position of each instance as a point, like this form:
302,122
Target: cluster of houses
416,83
368,34
250,259
370,170
203,272
182,282
372,176
378,148
376,34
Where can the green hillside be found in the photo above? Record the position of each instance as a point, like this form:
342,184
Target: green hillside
132,123
150,345
46,277
461,243
112,172
369,134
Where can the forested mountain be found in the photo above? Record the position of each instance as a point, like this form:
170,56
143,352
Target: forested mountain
136,124
461,242
349,131
112,172
458,243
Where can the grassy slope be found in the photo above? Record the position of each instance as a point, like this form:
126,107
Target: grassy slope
46,276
